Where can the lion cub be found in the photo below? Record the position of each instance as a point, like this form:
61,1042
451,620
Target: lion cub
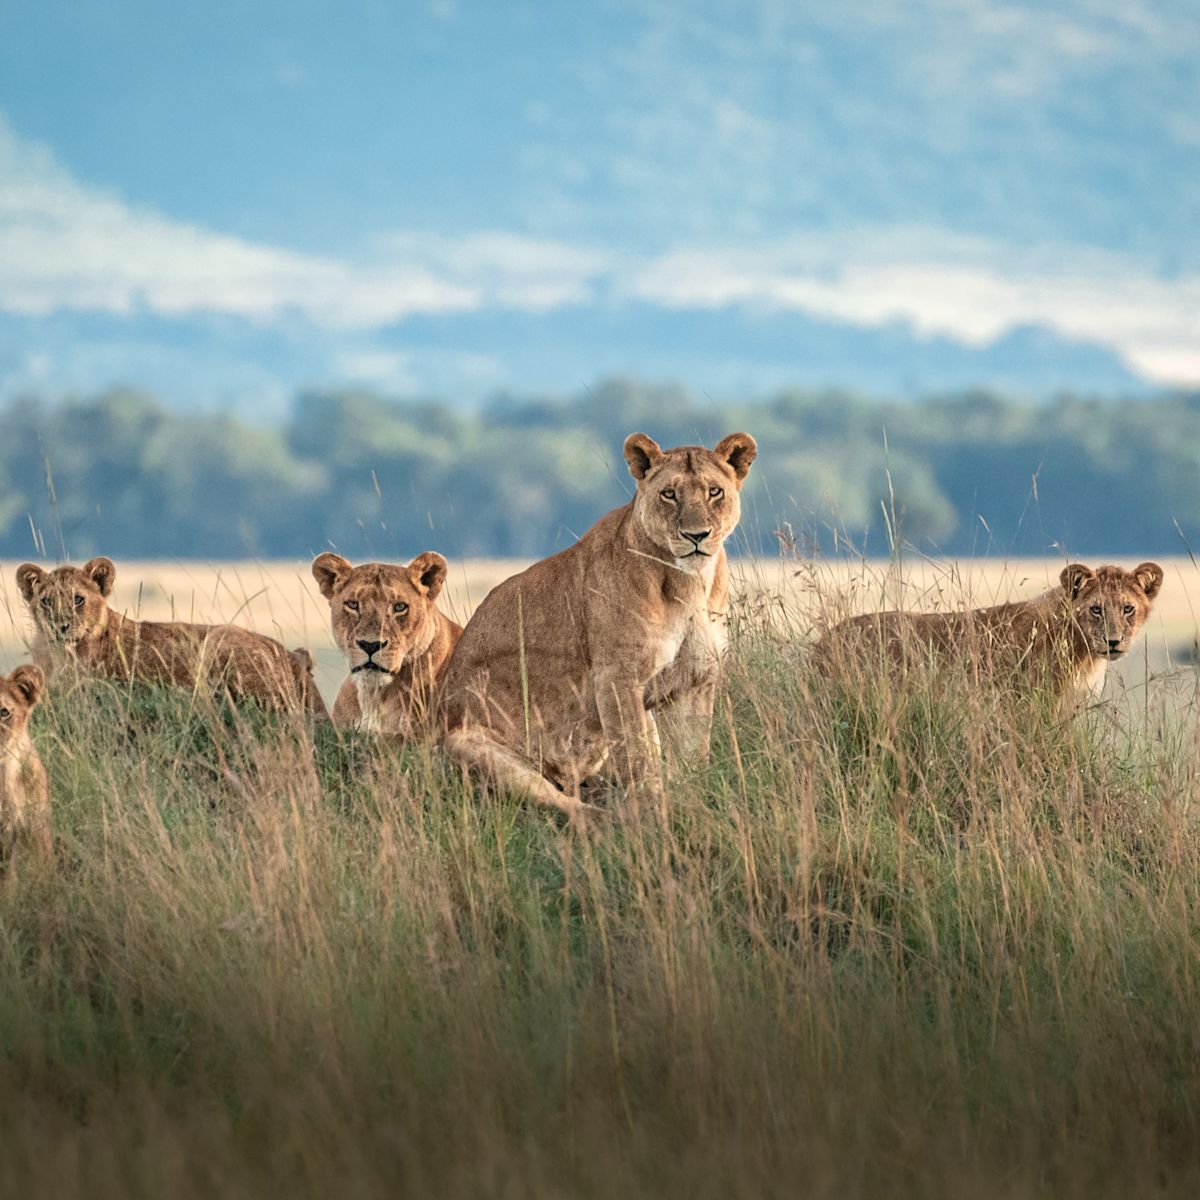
75,625
24,798
396,640
1062,640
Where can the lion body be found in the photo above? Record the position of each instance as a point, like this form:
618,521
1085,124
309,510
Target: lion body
75,630
247,665
1061,641
576,663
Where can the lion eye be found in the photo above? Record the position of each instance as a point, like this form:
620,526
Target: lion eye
45,601
4,714
715,493
668,493
352,605
1096,610
78,601
399,607
1129,610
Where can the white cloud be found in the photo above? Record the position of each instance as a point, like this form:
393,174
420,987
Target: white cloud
65,246
506,269
967,289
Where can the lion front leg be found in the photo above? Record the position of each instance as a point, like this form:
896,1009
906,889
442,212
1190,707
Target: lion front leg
685,722
630,735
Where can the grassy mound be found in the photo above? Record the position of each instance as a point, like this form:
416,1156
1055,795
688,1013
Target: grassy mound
892,940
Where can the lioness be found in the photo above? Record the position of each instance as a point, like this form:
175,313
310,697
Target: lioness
1062,640
74,625
561,666
246,665
396,640
24,798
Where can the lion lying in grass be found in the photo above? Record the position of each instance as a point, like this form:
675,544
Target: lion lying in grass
246,665
1061,641
76,628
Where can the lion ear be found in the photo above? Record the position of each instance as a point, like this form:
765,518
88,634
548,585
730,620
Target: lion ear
29,576
428,572
1073,578
30,682
1150,576
641,453
739,450
102,573
330,571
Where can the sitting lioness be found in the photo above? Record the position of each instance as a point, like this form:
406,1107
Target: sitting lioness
24,798
75,626
396,640
1061,641
561,667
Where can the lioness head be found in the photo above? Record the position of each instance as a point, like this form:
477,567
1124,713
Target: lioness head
1108,605
20,694
688,499
69,604
382,613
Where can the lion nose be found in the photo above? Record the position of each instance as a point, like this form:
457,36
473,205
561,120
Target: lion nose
696,538
1113,643
65,628
369,648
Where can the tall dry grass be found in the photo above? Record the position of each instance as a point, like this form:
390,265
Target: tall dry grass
893,940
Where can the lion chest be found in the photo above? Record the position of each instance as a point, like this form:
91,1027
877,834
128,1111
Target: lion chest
17,783
690,647
1089,682
376,715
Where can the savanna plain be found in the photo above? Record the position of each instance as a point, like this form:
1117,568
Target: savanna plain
893,939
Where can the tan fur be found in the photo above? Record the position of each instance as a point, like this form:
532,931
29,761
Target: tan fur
76,630
247,665
390,689
580,660
24,795
1062,640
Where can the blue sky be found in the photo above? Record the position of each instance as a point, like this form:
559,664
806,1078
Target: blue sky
228,201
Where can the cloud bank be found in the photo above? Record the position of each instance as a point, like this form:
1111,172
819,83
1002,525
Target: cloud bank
67,246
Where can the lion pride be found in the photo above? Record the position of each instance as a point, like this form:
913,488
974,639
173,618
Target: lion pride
575,664
1062,640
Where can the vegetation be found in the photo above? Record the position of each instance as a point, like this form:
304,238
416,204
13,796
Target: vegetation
125,476
891,941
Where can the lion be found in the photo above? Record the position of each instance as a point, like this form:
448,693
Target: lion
24,794
396,640
246,665
1061,641
76,627
575,664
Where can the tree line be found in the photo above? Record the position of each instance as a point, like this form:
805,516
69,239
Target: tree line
125,474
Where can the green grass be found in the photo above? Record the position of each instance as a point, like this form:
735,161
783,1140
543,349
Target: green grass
890,942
